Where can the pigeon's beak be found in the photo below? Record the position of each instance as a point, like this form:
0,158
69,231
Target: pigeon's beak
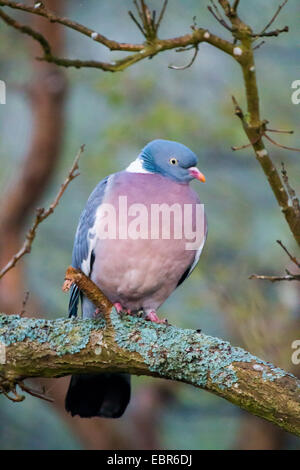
195,173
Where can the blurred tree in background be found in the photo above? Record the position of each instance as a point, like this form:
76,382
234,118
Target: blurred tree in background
116,115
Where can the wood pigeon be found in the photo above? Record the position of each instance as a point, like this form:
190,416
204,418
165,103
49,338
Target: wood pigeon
136,272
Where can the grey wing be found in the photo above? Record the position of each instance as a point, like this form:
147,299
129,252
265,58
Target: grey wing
191,268
83,256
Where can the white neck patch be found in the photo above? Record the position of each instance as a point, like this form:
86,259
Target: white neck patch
137,166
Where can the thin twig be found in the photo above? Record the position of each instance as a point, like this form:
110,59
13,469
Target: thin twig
275,32
279,131
259,45
42,11
242,33
237,109
235,5
184,49
147,21
290,190
274,17
34,393
184,67
41,215
294,149
138,9
288,277
218,17
136,22
161,15
142,51
27,30
292,258
241,147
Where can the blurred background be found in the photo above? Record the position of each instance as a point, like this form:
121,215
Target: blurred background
51,111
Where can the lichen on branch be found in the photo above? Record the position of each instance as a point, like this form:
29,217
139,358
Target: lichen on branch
111,343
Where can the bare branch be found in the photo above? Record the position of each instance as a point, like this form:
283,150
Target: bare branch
140,13
292,258
184,67
274,17
254,126
294,149
147,21
235,5
136,22
42,11
142,50
185,355
42,214
288,277
279,131
275,32
34,393
259,45
161,14
149,27
245,146
290,190
217,15
27,30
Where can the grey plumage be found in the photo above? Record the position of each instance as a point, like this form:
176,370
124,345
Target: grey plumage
135,273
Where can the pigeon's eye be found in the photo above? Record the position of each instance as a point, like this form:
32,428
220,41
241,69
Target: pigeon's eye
173,161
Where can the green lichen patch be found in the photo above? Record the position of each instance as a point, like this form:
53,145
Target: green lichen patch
64,336
185,354
168,351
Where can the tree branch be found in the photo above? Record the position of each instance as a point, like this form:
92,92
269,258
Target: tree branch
292,258
243,35
292,194
27,30
110,343
41,215
45,348
149,49
288,277
274,17
42,11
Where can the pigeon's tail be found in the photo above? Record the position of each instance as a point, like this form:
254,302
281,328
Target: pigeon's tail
105,395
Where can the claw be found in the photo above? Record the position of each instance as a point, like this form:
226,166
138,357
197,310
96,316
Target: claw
151,316
118,307
121,310
97,313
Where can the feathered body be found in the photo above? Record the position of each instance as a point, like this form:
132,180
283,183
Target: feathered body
137,273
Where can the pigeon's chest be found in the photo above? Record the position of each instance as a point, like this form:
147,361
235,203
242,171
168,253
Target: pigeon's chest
128,190
142,244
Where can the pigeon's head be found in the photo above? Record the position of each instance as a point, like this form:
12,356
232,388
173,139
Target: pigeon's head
170,159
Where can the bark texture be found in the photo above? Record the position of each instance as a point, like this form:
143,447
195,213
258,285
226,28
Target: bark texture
45,348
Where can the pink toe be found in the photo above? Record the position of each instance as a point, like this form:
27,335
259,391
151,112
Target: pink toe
151,316
118,307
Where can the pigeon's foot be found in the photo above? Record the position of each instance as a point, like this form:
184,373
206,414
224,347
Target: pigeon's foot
118,307
97,312
151,316
121,310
